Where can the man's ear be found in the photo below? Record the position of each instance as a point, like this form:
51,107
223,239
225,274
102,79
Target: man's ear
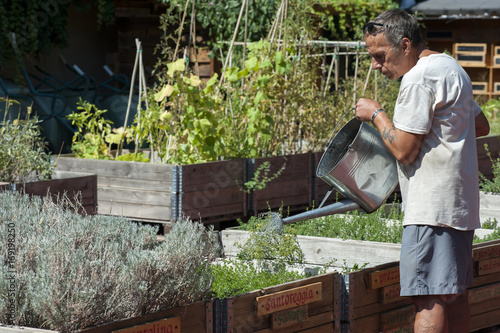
406,45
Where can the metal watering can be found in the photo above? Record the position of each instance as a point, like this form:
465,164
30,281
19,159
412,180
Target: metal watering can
358,165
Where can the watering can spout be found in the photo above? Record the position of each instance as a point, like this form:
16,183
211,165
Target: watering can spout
276,223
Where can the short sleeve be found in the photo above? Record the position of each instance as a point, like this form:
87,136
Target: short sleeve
414,109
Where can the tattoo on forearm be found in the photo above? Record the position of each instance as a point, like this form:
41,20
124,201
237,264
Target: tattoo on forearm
389,134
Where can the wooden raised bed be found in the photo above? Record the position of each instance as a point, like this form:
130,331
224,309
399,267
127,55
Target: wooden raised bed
197,317
308,305
162,192
75,187
293,189
213,192
322,250
374,304
484,162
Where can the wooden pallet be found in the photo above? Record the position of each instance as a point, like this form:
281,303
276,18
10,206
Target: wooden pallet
479,87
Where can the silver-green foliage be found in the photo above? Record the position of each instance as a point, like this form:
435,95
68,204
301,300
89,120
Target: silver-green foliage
73,272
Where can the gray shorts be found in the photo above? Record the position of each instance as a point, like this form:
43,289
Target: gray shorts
435,260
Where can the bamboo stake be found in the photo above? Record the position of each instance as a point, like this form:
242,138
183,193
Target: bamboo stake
356,67
232,41
180,31
334,60
275,26
367,79
336,70
193,33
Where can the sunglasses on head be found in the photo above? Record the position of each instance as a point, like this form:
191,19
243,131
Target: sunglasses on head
370,26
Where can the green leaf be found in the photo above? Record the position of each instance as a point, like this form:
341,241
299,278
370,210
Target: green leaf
263,80
252,64
210,84
177,66
165,92
205,125
193,80
259,97
231,74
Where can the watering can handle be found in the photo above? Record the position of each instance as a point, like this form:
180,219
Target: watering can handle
353,109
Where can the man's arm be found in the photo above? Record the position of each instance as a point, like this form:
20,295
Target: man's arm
403,145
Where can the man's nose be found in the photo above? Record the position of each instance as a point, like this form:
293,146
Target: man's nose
376,64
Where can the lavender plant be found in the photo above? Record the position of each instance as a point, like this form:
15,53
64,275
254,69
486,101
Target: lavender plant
63,271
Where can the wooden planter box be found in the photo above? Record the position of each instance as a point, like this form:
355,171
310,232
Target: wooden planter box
308,305
321,250
211,192
374,304
197,317
162,192
83,187
484,162
293,189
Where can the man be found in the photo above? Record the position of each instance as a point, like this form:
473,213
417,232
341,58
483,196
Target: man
432,136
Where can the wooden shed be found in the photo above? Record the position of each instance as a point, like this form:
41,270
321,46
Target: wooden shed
469,30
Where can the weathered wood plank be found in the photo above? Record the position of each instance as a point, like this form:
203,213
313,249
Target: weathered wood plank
323,250
117,169
81,188
135,196
485,320
246,318
193,318
138,211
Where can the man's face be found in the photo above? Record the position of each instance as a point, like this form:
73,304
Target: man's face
384,58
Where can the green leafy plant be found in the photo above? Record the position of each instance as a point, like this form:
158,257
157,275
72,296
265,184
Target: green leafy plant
356,225
236,277
491,110
93,130
258,181
343,19
492,185
23,154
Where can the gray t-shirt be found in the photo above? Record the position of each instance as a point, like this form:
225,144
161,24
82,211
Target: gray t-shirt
440,187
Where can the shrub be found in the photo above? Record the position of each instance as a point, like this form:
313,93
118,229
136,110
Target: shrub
67,272
23,156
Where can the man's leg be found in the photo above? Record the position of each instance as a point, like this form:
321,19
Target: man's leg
445,313
431,314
